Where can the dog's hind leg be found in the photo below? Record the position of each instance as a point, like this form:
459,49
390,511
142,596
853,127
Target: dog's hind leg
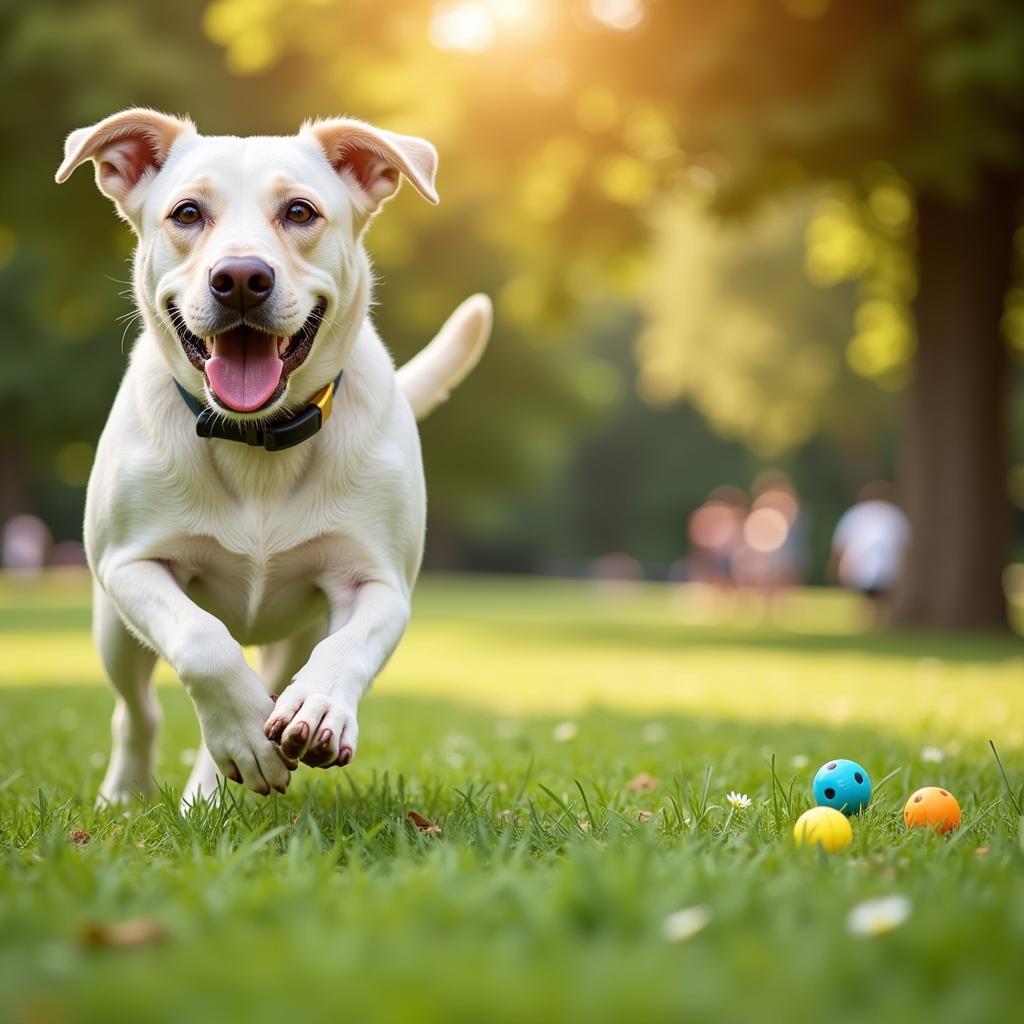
129,666
278,662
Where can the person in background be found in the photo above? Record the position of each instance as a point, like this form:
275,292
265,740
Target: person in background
773,555
869,543
715,533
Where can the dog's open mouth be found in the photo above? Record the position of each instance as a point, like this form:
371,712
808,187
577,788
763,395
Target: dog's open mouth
247,368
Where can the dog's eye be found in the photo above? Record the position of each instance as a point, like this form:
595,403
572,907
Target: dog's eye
300,212
186,214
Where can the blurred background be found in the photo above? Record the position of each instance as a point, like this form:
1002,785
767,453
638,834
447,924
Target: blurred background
754,262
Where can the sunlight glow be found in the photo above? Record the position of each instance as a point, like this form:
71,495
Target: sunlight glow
472,26
621,15
468,27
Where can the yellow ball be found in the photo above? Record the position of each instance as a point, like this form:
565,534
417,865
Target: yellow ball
825,827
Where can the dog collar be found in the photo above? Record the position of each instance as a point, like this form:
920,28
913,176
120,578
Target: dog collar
275,436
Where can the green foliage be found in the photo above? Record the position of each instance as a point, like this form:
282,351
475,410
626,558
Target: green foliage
546,896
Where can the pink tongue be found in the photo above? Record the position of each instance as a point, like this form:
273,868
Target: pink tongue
244,369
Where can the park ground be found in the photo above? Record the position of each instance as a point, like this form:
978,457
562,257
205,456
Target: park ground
574,746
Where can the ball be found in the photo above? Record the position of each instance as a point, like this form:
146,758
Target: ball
932,807
824,827
842,785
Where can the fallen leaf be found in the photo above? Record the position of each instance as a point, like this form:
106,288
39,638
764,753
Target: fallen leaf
137,931
642,816
425,825
642,783
79,836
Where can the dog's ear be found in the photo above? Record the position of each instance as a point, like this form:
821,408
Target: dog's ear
125,147
376,159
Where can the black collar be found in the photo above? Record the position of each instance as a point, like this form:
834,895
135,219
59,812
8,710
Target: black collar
274,437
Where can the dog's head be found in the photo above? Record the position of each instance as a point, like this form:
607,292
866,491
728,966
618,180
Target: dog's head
250,269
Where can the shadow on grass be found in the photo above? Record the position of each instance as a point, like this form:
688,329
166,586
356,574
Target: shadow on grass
985,648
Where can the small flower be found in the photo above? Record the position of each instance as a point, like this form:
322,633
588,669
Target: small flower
798,761
737,801
564,732
685,923
876,917
508,729
654,732
932,755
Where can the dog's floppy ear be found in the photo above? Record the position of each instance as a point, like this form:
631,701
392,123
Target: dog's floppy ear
376,159
125,147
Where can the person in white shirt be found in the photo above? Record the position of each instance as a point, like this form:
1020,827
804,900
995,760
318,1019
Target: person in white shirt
869,542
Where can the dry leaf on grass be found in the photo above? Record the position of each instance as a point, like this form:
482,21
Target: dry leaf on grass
138,931
425,825
642,783
79,836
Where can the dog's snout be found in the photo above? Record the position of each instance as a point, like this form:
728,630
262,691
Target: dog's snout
241,282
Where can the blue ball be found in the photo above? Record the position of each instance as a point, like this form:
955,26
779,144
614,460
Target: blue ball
843,785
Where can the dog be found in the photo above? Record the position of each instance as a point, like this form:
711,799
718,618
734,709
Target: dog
259,480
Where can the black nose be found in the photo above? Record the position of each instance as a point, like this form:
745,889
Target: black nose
241,282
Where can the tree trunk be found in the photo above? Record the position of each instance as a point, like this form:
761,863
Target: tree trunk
953,472
14,489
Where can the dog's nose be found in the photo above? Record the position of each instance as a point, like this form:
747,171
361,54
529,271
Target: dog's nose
241,282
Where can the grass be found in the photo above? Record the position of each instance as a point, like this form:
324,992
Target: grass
545,897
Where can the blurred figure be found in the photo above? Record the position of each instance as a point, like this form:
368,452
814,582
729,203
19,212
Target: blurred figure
616,571
68,554
715,533
869,544
26,544
773,554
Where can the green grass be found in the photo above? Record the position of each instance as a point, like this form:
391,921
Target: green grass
545,897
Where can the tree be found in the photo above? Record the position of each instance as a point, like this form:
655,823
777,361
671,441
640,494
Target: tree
575,116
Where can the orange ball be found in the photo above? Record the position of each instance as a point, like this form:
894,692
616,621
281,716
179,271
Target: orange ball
932,807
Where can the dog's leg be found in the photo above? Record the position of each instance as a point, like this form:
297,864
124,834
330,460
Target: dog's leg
315,718
133,728
278,664
228,695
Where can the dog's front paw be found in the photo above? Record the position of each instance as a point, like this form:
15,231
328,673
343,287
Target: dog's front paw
234,737
318,730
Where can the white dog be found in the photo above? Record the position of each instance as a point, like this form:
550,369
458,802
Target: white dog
259,479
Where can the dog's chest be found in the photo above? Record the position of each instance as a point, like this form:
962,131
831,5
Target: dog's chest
260,594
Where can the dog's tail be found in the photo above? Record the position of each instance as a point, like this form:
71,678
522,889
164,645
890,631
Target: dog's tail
429,377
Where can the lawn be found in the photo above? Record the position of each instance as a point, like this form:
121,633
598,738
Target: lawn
575,746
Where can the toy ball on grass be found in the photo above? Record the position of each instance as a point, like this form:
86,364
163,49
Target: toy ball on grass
824,827
932,807
842,785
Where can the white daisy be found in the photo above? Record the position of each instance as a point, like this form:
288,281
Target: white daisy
564,732
932,755
876,917
737,801
685,923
